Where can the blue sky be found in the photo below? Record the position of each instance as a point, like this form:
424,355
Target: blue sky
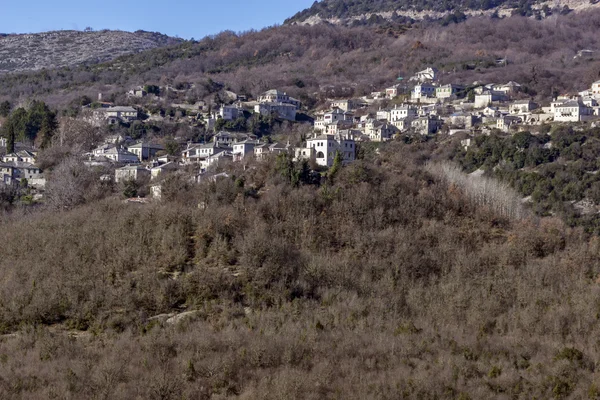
184,18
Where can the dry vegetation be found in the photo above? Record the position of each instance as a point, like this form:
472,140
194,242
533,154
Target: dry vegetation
384,282
316,62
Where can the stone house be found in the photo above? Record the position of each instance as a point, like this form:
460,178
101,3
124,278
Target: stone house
145,151
326,147
379,131
522,107
487,97
157,171
230,112
122,113
276,96
131,172
243,149
282,110
450,91
120,155
504,123
402,112
572,111
195,153
336,114
427,125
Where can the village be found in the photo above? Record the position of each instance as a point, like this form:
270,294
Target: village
420,106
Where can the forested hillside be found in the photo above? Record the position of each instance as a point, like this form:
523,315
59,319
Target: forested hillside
330,61
387,280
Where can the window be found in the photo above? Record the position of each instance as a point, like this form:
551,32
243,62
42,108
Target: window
320,155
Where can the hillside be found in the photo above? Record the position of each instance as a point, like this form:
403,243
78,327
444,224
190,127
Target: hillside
316,62
57,49
345,11
386,281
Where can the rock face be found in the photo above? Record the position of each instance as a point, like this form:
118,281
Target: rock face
340,12
57,49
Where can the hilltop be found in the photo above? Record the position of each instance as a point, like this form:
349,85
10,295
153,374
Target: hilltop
341,12
48,50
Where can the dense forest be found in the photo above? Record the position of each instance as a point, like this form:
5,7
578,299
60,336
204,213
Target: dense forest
388,278
313,63
556,168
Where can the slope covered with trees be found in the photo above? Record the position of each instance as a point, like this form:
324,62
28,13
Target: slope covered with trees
386,280
312,63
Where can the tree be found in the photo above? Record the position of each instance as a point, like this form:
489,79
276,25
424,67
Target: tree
171,146
337,165
5,108
9,133
71,183
46,131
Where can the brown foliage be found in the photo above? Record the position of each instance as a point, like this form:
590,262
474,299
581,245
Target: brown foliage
387,284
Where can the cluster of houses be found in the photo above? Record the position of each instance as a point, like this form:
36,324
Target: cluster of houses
429,106
272,102
422,107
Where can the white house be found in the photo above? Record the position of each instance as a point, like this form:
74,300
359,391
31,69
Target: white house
571,111
216,159
243,149
195,153
229,113
18,170
331,116
596,88
25,156
326,147
402,112
428,74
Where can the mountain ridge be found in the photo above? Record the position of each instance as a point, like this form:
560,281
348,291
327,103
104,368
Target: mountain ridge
57,49
344,11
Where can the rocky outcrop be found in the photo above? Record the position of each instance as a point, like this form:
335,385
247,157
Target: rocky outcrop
31,52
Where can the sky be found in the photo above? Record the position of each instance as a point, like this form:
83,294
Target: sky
183,18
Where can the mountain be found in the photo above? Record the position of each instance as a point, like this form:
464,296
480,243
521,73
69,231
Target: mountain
313,63
30,52
344,11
